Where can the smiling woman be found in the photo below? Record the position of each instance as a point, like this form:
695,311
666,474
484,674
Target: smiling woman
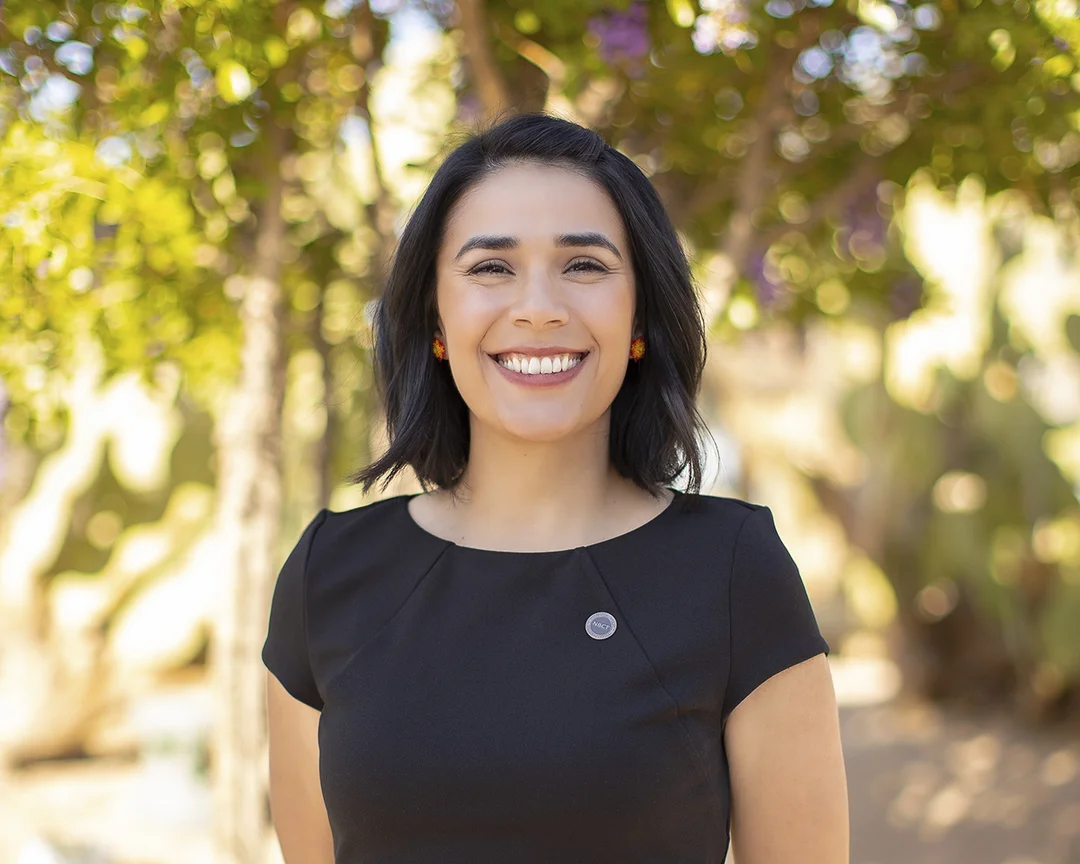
550,654
539,217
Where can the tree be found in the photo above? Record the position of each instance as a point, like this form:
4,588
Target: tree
133,135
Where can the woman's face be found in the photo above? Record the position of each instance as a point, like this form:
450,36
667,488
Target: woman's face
534,273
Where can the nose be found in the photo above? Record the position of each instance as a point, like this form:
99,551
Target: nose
539,303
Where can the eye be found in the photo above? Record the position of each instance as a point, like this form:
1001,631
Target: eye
488,267
587,265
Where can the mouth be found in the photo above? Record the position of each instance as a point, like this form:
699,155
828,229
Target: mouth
532,365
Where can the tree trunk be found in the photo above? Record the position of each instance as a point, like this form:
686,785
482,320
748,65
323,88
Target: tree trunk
487,78
248,519
323,450
382,211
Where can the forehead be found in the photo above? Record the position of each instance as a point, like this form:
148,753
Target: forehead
531,200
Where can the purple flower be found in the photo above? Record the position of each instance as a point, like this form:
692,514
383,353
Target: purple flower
623,37
768,292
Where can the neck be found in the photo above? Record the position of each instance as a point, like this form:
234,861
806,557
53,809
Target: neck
540,494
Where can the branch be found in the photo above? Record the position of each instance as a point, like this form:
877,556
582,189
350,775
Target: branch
752,190
555,101
752,185
828,204
494,94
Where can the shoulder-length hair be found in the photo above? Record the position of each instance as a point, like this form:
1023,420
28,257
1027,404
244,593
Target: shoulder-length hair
654,420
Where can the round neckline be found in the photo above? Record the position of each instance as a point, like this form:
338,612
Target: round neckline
626,535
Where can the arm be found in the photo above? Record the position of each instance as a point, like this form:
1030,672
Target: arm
789,799
296,801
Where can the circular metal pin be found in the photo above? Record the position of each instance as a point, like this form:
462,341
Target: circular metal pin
600,625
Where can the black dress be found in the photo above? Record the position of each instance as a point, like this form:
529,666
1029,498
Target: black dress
476,708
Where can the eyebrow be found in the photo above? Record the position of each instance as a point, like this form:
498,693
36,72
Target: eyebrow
494,241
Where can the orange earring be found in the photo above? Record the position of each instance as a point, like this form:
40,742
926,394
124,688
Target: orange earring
438,349
637,349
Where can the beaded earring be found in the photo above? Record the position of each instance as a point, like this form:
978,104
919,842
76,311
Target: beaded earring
637,349
438,349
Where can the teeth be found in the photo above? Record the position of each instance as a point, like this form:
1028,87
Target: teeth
540,365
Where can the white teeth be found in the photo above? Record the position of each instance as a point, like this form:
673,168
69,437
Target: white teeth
540,365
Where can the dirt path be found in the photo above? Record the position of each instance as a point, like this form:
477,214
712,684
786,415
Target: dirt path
944,788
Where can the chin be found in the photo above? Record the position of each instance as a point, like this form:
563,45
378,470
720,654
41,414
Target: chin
541,430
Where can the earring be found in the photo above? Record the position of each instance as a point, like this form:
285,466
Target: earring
637,349
438,349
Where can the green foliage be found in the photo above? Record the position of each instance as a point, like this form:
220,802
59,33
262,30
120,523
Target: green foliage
137,141
832,106
130,202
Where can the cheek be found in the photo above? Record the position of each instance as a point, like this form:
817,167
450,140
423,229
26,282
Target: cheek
609,316
465,317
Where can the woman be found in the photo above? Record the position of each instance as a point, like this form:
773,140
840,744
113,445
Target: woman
550,655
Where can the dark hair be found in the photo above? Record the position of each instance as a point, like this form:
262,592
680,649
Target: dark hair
654,419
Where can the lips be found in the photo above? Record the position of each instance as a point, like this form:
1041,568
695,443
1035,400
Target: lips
552,351
534,371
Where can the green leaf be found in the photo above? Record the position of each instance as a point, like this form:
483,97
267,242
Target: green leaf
157,112
136,47
233,81
276,52
681,12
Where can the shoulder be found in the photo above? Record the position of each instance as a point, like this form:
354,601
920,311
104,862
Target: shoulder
362,565
712,509
372,532
344,528
710,521
371,548
744,535
693,542
384,514
715,536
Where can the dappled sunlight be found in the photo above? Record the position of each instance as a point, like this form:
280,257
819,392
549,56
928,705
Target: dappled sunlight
413,104
952,245
808,431
1040,287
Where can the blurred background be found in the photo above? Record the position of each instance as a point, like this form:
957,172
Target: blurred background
198,200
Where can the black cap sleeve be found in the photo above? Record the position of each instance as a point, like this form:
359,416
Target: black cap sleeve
285,652
772,625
